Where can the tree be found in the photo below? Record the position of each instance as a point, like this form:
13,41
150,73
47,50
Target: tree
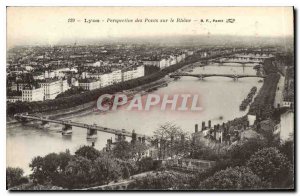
63,159
200,150
138,149
270,165
50,168
37,166
14,177
106,169
122,150
128,167
237,178
287,148
240,153
78,173
168,134
125,150
88,152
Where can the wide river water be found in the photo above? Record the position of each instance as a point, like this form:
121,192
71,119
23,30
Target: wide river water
220,98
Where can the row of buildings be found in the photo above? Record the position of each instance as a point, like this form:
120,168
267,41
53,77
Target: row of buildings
91,81
166,61
89,67
57,73
53,83
44,90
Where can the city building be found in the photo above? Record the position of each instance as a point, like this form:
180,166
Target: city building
53,87
132,73
14,99
116,76
108,78
18,86
38,76
49,74
151,63
163,63
105,80
30,94
89,84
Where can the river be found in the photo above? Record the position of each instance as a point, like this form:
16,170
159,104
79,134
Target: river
220,98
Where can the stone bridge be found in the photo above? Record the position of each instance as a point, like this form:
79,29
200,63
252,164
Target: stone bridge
202,76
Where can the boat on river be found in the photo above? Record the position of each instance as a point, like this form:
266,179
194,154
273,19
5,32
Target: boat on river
67,133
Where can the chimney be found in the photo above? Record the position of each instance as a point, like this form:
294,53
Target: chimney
215,131
215,134
182,138
209,124
196,128
203,125
133,136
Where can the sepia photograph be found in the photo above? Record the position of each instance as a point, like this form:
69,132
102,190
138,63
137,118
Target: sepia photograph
150,98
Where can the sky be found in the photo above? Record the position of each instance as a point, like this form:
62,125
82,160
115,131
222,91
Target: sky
49,25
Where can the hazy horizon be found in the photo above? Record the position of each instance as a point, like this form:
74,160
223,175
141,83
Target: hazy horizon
168,40
50,26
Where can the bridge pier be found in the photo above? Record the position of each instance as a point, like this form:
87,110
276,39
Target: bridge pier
133,137
24,120
67,130
21,119
44,123
91,133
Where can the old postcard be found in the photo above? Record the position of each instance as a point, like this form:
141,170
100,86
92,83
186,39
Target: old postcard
150,98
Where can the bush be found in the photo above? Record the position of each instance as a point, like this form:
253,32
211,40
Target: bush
88,167
287,148
145,164
237,178
240,153
14,177
161,181
271,166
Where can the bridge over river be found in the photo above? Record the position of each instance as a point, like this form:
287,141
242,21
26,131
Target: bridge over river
91,129
202,76
235,61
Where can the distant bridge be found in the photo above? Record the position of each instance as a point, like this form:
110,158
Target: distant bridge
206,63
202,76
91,129
235,61
239,59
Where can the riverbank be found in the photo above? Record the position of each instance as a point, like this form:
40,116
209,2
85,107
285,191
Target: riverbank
86,108
263,103
90,107
278,102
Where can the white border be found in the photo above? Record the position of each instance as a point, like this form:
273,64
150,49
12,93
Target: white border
4,3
